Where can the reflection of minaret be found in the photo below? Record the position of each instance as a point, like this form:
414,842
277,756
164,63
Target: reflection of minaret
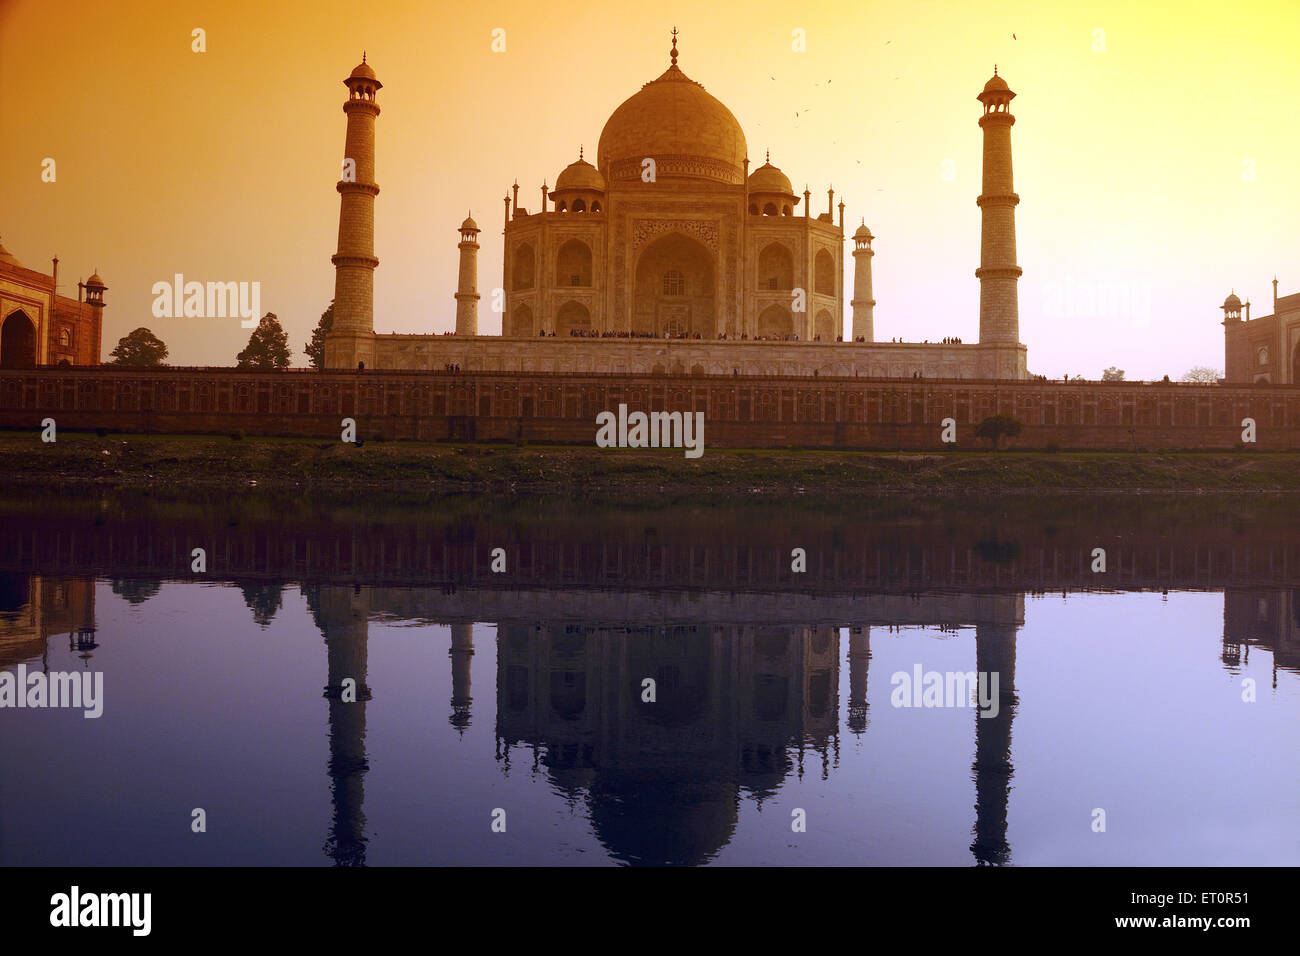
859,660
343,622
995,653
462,649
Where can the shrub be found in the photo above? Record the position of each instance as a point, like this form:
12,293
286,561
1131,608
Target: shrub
997,427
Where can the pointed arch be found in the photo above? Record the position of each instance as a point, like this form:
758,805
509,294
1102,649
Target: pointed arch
572,317
18,341
775,267
824,273
573,264
522,266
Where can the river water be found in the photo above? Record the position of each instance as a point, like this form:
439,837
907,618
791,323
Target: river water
457,681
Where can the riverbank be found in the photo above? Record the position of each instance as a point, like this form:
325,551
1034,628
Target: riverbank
179,462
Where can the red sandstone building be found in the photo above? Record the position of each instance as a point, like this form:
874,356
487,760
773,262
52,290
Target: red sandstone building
1262,351
40,327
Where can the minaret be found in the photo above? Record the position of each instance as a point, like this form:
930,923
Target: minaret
95,290
462,649
351,341
467,289
998,272
863,303
859,663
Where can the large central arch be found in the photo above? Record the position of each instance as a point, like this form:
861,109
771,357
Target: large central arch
675,288
18,341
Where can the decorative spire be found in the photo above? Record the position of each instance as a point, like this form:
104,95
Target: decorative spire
769,157
363,56
579,154
995,69
673,53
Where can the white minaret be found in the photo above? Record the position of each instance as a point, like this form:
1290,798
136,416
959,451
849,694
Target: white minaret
863,303
998,272
351,341
467,289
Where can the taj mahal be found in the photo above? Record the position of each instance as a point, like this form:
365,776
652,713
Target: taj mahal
669,255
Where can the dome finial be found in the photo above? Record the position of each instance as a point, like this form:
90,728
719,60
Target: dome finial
769,156
995,69
673,53
363,56
579,154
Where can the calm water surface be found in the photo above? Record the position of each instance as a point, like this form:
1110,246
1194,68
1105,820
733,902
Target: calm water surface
522,691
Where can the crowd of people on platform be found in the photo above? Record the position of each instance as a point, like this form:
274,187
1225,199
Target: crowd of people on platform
722,337
949,340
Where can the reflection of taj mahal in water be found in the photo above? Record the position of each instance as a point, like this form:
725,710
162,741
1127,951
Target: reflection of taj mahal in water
740,708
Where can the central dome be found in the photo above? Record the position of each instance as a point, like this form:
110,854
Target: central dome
673,121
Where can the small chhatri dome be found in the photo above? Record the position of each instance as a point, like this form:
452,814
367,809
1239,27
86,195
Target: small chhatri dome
580,175
996,84
863,232
469,225
1232,302
8,257
769,179
363,69
95,282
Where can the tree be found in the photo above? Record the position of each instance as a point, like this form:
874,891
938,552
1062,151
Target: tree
1202,374
1113,374
135,591
997,427
139,348
263,600
315,349
268,346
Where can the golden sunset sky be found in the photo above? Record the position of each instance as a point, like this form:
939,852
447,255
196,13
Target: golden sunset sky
1157,162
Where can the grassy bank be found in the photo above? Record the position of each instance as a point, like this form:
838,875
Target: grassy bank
84,460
